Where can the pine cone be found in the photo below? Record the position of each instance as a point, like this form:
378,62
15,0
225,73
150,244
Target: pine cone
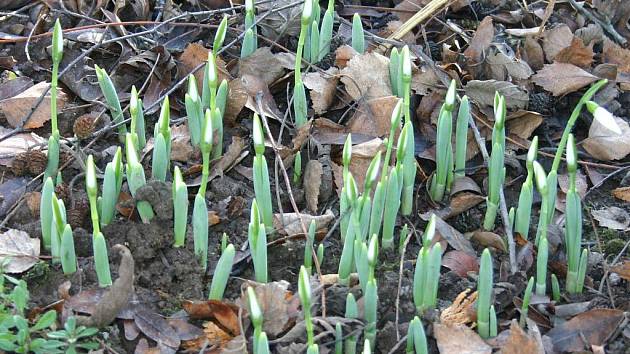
62,192
84,125
19,166
77,214
37,162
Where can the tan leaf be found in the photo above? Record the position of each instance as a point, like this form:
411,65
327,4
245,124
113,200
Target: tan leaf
520,342
562,78
612,217
19,106
312,181
623,270
367,76
577,54
343,55
595,327
323,87
614,54
481,40
523,123
533,53
462,310
501,67
17,144
263,64
215,335
21,250
482,92
604,144
622,193
195,54
488,239
456,339
277,304
289,223
555,40
409,7
460,262
237,98
373,117
181,149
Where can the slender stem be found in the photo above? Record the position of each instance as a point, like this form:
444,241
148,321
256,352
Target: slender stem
53,98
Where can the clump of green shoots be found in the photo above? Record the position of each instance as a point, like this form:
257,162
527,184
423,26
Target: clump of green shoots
261,174
250,41
485,319
443,177
576,257
99,245
416,338
524,209
57,226
222,273
109,92
200,209
112,183
395,72
136,179
194,111
162,147
299,93
257,238
496,168
311,42
371,306
180,208
137,125
53,140
358,37
426,277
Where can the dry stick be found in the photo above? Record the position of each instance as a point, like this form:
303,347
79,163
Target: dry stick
420,16
486,158
606,25
287,182
546,15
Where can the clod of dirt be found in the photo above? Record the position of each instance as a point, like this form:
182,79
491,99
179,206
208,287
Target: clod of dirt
156,192
118,295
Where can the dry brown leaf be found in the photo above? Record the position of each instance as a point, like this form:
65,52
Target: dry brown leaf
21,250
612,217
19,106
461,311
595,326
502,67
460,262
312,181
424,80
263,64
556,39
237,98
157,328
17,144
488,239
520,342
181,149
562,78
480,41
454,238
367,76
215,335
482,92
591,34
289,223
457,339
343,55
622,193
373,117
614,54
459,203
323,87
277,304
604,144
533,53
622,269
224,313
256,87
581,185
392,27
195,54
577,54
409,7
523,123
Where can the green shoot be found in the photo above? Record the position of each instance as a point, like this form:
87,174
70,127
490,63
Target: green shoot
111,188
352,311
257,238
299,93
416,338
326,31
101,260
541,266
555,288
109,92
427,272
524,209
358,38
46,212
180,208
200,229
370,307
53,140
255,315
222,273
68,256
193,111
136,179
496,168
526,299
573,223
297,167
395,76
308,246
162,148
261,174
137,125
304,291
409,176
484,291
461,137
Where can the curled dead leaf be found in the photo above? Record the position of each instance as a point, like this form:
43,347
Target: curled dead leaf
323,87
312,181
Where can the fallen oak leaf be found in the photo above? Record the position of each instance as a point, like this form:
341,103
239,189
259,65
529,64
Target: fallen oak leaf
312,182
460,262
358,84
520,342
482,92
16,108
289,223
556,39
118,295
594,326
480,41
562,78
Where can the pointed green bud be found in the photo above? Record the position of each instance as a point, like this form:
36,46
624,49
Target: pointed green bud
304,288
90,177
451,96
258,136
604,117
255,313
532,153
307,12
57,43
406,65
541,178
213,77
372,172
347,151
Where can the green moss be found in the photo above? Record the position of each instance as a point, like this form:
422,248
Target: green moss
614,246
40,270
